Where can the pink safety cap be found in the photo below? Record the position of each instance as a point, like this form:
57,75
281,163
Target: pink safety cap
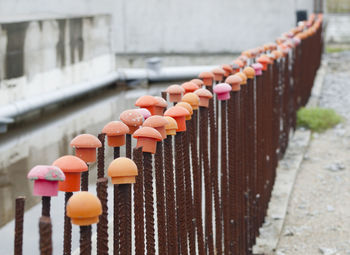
258,68
46,180
223,91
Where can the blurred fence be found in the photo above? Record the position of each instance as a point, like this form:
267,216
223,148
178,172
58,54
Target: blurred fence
204,190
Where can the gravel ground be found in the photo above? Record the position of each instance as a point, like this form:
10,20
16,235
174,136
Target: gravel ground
318,216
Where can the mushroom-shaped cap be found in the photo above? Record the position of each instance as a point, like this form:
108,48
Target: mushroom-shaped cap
249,72
187,106
223,91
115,128
247,53
277,53
222,88
161,102
155,121
207,78
206,75
218,73
203,93
144,112
189,86
243,76
70,164
145,101
48,173
204,96
122,170
235,67
171,127
175,89
235,82
192,99
243,58
176,111
239,62
85,141
228,69
264,59
199,82
84,208
148,132
132,117
258,68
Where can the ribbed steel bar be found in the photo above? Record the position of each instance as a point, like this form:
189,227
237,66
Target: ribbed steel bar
214,176
139,221
149,209
46,204
180,195
45,232
159,169
170,196
18,244
116,225
102,226
67,234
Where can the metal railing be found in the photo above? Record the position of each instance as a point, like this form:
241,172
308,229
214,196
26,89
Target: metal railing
204,190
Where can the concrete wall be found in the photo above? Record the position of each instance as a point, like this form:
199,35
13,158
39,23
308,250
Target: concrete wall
47,53
177,26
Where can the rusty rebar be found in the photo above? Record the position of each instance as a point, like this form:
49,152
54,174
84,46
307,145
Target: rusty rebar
46,205
124,196
18,244
162,234
124,220
45,232
85,240
233,161
224,177
101,157
85,180
102,226
170,196
116,225
149,214
197,182
190,224
67,234
203,131
180,195
213,170
138,204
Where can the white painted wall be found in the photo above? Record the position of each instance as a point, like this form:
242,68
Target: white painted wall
176,25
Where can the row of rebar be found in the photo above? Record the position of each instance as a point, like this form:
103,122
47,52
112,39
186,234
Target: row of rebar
205,190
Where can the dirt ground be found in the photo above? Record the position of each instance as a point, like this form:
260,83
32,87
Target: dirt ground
318,216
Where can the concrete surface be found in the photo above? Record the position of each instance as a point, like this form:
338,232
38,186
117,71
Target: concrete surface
286,175
318,219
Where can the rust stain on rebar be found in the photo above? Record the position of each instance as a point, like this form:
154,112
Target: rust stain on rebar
203,131
150,240
101,157
138,204
214,173
197,176
102,226
45,232
116,225
67,234
170,196
46,205
18,244
180,195
159,169
85,240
